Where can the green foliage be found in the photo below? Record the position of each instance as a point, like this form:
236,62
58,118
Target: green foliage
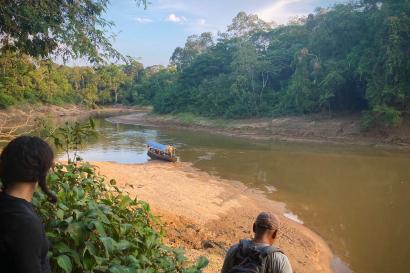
95,227
6,100
34,32
195,45
186,118
23,80
40,28
351,57
69,137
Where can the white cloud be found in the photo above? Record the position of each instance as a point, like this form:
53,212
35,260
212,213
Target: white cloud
142,20
201,22
175,19
280,11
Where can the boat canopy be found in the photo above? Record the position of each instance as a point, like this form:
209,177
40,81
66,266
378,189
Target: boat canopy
157,146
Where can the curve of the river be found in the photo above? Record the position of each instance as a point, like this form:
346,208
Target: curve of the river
357,198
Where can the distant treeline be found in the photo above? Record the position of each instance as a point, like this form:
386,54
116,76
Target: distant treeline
349,58
24,79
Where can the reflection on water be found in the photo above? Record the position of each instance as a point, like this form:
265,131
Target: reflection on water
356,198
119,145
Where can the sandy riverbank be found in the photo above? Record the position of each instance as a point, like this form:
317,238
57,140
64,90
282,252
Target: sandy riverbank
206,214
313,128
18,115
22,120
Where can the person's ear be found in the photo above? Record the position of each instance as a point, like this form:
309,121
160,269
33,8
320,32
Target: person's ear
274,234
254,228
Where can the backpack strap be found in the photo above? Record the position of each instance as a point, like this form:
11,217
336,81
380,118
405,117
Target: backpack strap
267,249
272,249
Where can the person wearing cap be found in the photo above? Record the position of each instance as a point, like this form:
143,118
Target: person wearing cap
258,254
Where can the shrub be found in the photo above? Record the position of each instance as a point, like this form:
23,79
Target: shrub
95,227
6,100
382,116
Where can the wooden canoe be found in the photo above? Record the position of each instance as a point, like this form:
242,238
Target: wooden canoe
164,157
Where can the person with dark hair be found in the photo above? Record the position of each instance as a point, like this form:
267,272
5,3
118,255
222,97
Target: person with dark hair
258,254
24,164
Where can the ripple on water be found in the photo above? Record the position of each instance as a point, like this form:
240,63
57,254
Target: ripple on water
339,266
292,216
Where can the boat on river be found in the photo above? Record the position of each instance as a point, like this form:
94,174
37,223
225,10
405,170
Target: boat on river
161,152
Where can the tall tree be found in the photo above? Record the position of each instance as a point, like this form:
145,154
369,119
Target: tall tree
195,45
70,29
245,25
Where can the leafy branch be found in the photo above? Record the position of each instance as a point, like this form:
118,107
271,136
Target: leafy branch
70,137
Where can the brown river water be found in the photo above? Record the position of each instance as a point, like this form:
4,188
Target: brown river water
357,198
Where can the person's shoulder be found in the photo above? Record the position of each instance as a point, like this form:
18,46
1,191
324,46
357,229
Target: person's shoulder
281,261
13,205
23,221
233,249
242,243
280,256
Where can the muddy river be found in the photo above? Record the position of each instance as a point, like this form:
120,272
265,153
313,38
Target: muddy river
357,198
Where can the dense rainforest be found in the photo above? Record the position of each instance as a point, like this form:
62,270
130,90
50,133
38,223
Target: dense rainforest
351,57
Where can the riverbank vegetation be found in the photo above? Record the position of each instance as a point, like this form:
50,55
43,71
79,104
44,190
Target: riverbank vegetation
33,35
95,226
351,57
27,80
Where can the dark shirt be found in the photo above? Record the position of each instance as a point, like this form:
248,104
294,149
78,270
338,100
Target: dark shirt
277,262
23,243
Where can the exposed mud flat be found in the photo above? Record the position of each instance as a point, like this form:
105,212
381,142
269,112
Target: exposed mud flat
206,214
27,113
343,129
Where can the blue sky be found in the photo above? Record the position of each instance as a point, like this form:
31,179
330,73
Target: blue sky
152,34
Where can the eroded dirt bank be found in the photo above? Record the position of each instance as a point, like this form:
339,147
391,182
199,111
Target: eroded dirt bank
26,114
206,214
314,128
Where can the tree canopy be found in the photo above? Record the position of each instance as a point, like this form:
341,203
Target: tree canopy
70,29
351,57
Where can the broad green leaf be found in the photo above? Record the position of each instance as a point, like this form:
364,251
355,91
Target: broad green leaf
65,263
100,228
60,214
90,247
76,231
62,247
124,228
89,262
109,245
123,244
121,269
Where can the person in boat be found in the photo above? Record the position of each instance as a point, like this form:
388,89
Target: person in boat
24,164
258,254
171,150
160,151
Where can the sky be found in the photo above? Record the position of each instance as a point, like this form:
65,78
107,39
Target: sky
152,34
